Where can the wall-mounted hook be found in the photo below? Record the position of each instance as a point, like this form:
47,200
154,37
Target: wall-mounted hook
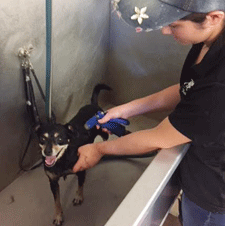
24,54
21,52
25,51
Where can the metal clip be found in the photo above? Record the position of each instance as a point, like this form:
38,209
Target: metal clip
24,55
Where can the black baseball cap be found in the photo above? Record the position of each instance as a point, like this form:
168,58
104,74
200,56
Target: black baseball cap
155,14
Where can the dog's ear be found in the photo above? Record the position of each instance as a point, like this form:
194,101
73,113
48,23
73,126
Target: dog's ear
72,131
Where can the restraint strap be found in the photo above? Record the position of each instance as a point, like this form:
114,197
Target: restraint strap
30,98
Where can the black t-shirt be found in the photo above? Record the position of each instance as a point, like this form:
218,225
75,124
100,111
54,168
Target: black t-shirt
200,116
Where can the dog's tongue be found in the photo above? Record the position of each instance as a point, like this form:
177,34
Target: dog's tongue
50,160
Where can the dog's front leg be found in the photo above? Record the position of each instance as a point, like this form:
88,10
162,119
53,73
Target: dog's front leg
79,198
58,220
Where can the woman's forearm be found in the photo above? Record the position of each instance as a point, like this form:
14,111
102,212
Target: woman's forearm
162,136
165,100
141,142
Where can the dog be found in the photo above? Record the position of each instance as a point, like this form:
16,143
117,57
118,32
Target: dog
59,144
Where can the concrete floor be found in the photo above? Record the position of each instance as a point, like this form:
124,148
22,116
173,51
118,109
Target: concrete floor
28,200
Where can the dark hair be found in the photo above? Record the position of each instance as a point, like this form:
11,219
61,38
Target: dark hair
196,17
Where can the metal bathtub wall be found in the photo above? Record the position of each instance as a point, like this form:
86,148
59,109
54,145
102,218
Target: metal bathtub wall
80,36
150,199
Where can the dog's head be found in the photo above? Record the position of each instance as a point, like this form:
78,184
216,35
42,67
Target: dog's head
54,140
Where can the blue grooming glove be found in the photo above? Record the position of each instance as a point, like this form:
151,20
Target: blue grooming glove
115,126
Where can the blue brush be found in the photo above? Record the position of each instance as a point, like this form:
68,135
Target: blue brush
115,126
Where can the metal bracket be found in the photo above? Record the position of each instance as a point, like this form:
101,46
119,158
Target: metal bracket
24,54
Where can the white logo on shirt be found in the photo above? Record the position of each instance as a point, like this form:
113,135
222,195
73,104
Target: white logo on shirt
186,86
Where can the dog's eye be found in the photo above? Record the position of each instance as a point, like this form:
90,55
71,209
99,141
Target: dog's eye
59,140
42,139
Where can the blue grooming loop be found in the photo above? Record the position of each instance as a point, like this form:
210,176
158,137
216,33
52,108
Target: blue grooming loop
48,58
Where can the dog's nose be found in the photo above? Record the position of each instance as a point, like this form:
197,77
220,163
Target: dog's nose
48,150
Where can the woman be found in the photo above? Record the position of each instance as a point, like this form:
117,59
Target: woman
198,104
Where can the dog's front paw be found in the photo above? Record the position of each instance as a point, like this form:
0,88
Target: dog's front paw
78,199
58,221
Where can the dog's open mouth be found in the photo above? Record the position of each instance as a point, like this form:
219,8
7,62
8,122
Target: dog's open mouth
50,161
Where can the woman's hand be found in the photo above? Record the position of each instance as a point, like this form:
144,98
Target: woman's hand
89,156
116,112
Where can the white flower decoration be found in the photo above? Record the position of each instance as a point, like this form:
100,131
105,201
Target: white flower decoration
140,14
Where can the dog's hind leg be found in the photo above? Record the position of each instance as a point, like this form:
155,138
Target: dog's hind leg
58,220
79,198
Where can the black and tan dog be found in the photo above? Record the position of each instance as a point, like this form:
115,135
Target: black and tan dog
59,145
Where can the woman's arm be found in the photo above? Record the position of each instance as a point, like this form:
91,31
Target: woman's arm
164,100
141,142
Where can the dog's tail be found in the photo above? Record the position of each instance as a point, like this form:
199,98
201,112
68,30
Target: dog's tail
96,91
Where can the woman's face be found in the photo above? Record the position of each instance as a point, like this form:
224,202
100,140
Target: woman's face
187,32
